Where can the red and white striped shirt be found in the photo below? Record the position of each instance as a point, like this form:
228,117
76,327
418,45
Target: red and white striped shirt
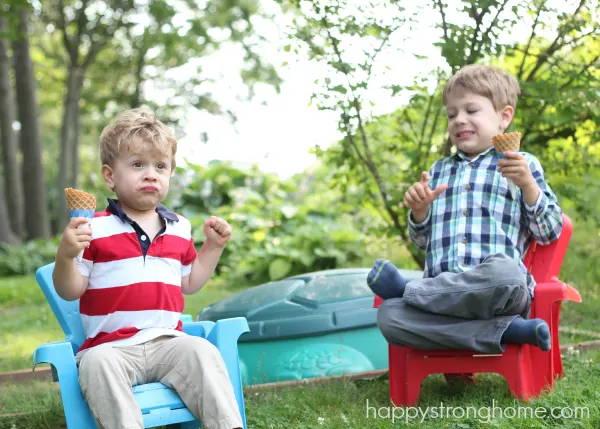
132,298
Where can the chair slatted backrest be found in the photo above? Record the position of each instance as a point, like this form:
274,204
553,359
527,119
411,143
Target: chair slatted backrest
66,312
544,262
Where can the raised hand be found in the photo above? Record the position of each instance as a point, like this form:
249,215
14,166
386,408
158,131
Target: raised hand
74,239
420,196
217,231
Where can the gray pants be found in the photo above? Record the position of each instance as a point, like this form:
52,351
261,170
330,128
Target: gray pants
469,310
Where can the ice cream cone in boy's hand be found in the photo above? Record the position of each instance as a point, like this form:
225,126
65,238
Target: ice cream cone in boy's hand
506,142
80,204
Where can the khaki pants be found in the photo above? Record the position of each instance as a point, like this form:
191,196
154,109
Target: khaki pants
190,365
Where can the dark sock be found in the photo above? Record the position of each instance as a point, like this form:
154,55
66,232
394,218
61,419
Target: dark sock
532,331
385,281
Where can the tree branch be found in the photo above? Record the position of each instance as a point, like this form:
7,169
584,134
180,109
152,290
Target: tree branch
444,24
63,27
531,37
354,100
486,33
82,22
478,19
584,69
411,125
542,58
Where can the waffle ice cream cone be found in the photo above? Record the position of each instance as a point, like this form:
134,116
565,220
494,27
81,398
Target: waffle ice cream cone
80,204
506,142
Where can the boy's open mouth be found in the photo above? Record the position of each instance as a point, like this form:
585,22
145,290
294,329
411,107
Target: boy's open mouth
463,135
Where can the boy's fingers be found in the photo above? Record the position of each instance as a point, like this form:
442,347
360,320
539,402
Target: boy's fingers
425,177
74,224
436,193
512,169
415,195
421,190
513,155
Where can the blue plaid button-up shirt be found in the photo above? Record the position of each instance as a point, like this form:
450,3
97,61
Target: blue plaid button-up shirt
482,213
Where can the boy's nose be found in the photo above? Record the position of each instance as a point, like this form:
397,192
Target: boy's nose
151,174
461,118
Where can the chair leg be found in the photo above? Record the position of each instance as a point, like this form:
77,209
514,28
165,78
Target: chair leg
405,386
520,380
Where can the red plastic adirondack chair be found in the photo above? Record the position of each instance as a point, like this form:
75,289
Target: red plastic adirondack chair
528,369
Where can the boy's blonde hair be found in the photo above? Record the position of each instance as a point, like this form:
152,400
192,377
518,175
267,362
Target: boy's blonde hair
498,86
136,124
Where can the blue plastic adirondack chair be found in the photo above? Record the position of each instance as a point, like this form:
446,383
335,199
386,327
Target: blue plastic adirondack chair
160,405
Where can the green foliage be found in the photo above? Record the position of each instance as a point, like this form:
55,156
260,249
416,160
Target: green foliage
26,258
280,228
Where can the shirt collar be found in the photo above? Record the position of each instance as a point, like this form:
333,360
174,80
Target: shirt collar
115,208
460,155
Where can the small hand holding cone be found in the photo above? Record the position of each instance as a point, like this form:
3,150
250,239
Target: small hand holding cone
80,205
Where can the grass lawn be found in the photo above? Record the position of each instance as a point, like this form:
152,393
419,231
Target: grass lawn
343,404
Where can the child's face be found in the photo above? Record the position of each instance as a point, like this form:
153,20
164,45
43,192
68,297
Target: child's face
140,177
473,120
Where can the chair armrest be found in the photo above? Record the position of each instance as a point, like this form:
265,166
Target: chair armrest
228,331
198,329
61,357
556,291
547,295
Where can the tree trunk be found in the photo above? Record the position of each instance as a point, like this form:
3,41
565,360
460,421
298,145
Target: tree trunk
61,215
6,235
76,125
36,209
8,143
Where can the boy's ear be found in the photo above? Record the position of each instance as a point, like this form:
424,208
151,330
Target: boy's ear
506,116
107,173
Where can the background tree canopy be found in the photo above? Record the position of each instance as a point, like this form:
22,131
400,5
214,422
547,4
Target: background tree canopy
67,67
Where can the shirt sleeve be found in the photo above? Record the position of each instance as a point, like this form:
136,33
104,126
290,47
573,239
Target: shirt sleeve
544,218
419,232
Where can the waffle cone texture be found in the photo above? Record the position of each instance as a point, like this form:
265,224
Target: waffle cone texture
79,200
506,142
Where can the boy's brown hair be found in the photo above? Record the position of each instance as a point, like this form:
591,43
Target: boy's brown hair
139,124
498,86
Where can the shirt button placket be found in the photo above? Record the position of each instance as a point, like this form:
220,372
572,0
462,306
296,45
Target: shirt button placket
462,221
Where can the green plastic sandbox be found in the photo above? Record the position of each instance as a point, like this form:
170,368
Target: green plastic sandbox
312,325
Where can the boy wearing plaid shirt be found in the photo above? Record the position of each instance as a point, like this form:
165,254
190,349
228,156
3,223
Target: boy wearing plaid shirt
476,292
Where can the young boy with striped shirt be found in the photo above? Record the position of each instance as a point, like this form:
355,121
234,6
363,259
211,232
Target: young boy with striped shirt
139,261
476,292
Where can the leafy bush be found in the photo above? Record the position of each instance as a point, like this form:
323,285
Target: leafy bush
279,229
28,257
